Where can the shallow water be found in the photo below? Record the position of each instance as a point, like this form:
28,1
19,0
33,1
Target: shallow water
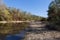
12,31
19,36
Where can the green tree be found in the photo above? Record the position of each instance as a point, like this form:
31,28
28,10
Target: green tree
54,15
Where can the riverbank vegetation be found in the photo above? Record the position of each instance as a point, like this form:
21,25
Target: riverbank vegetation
54,14
13,14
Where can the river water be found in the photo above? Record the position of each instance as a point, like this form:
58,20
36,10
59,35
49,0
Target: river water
11,31
19,36
15,32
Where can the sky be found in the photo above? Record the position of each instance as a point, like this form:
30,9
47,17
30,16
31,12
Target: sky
36,7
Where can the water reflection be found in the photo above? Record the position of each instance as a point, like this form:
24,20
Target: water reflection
13,37
19,36
12,31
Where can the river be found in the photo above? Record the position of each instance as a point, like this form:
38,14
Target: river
35,31
33,27
19,36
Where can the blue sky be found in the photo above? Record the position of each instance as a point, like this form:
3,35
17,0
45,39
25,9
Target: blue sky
36,7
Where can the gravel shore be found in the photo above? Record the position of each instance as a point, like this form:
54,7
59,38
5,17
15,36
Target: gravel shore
41,33
44,35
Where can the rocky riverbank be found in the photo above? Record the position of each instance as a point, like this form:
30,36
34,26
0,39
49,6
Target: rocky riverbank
42,33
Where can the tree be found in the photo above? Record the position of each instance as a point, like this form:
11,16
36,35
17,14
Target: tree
54,15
